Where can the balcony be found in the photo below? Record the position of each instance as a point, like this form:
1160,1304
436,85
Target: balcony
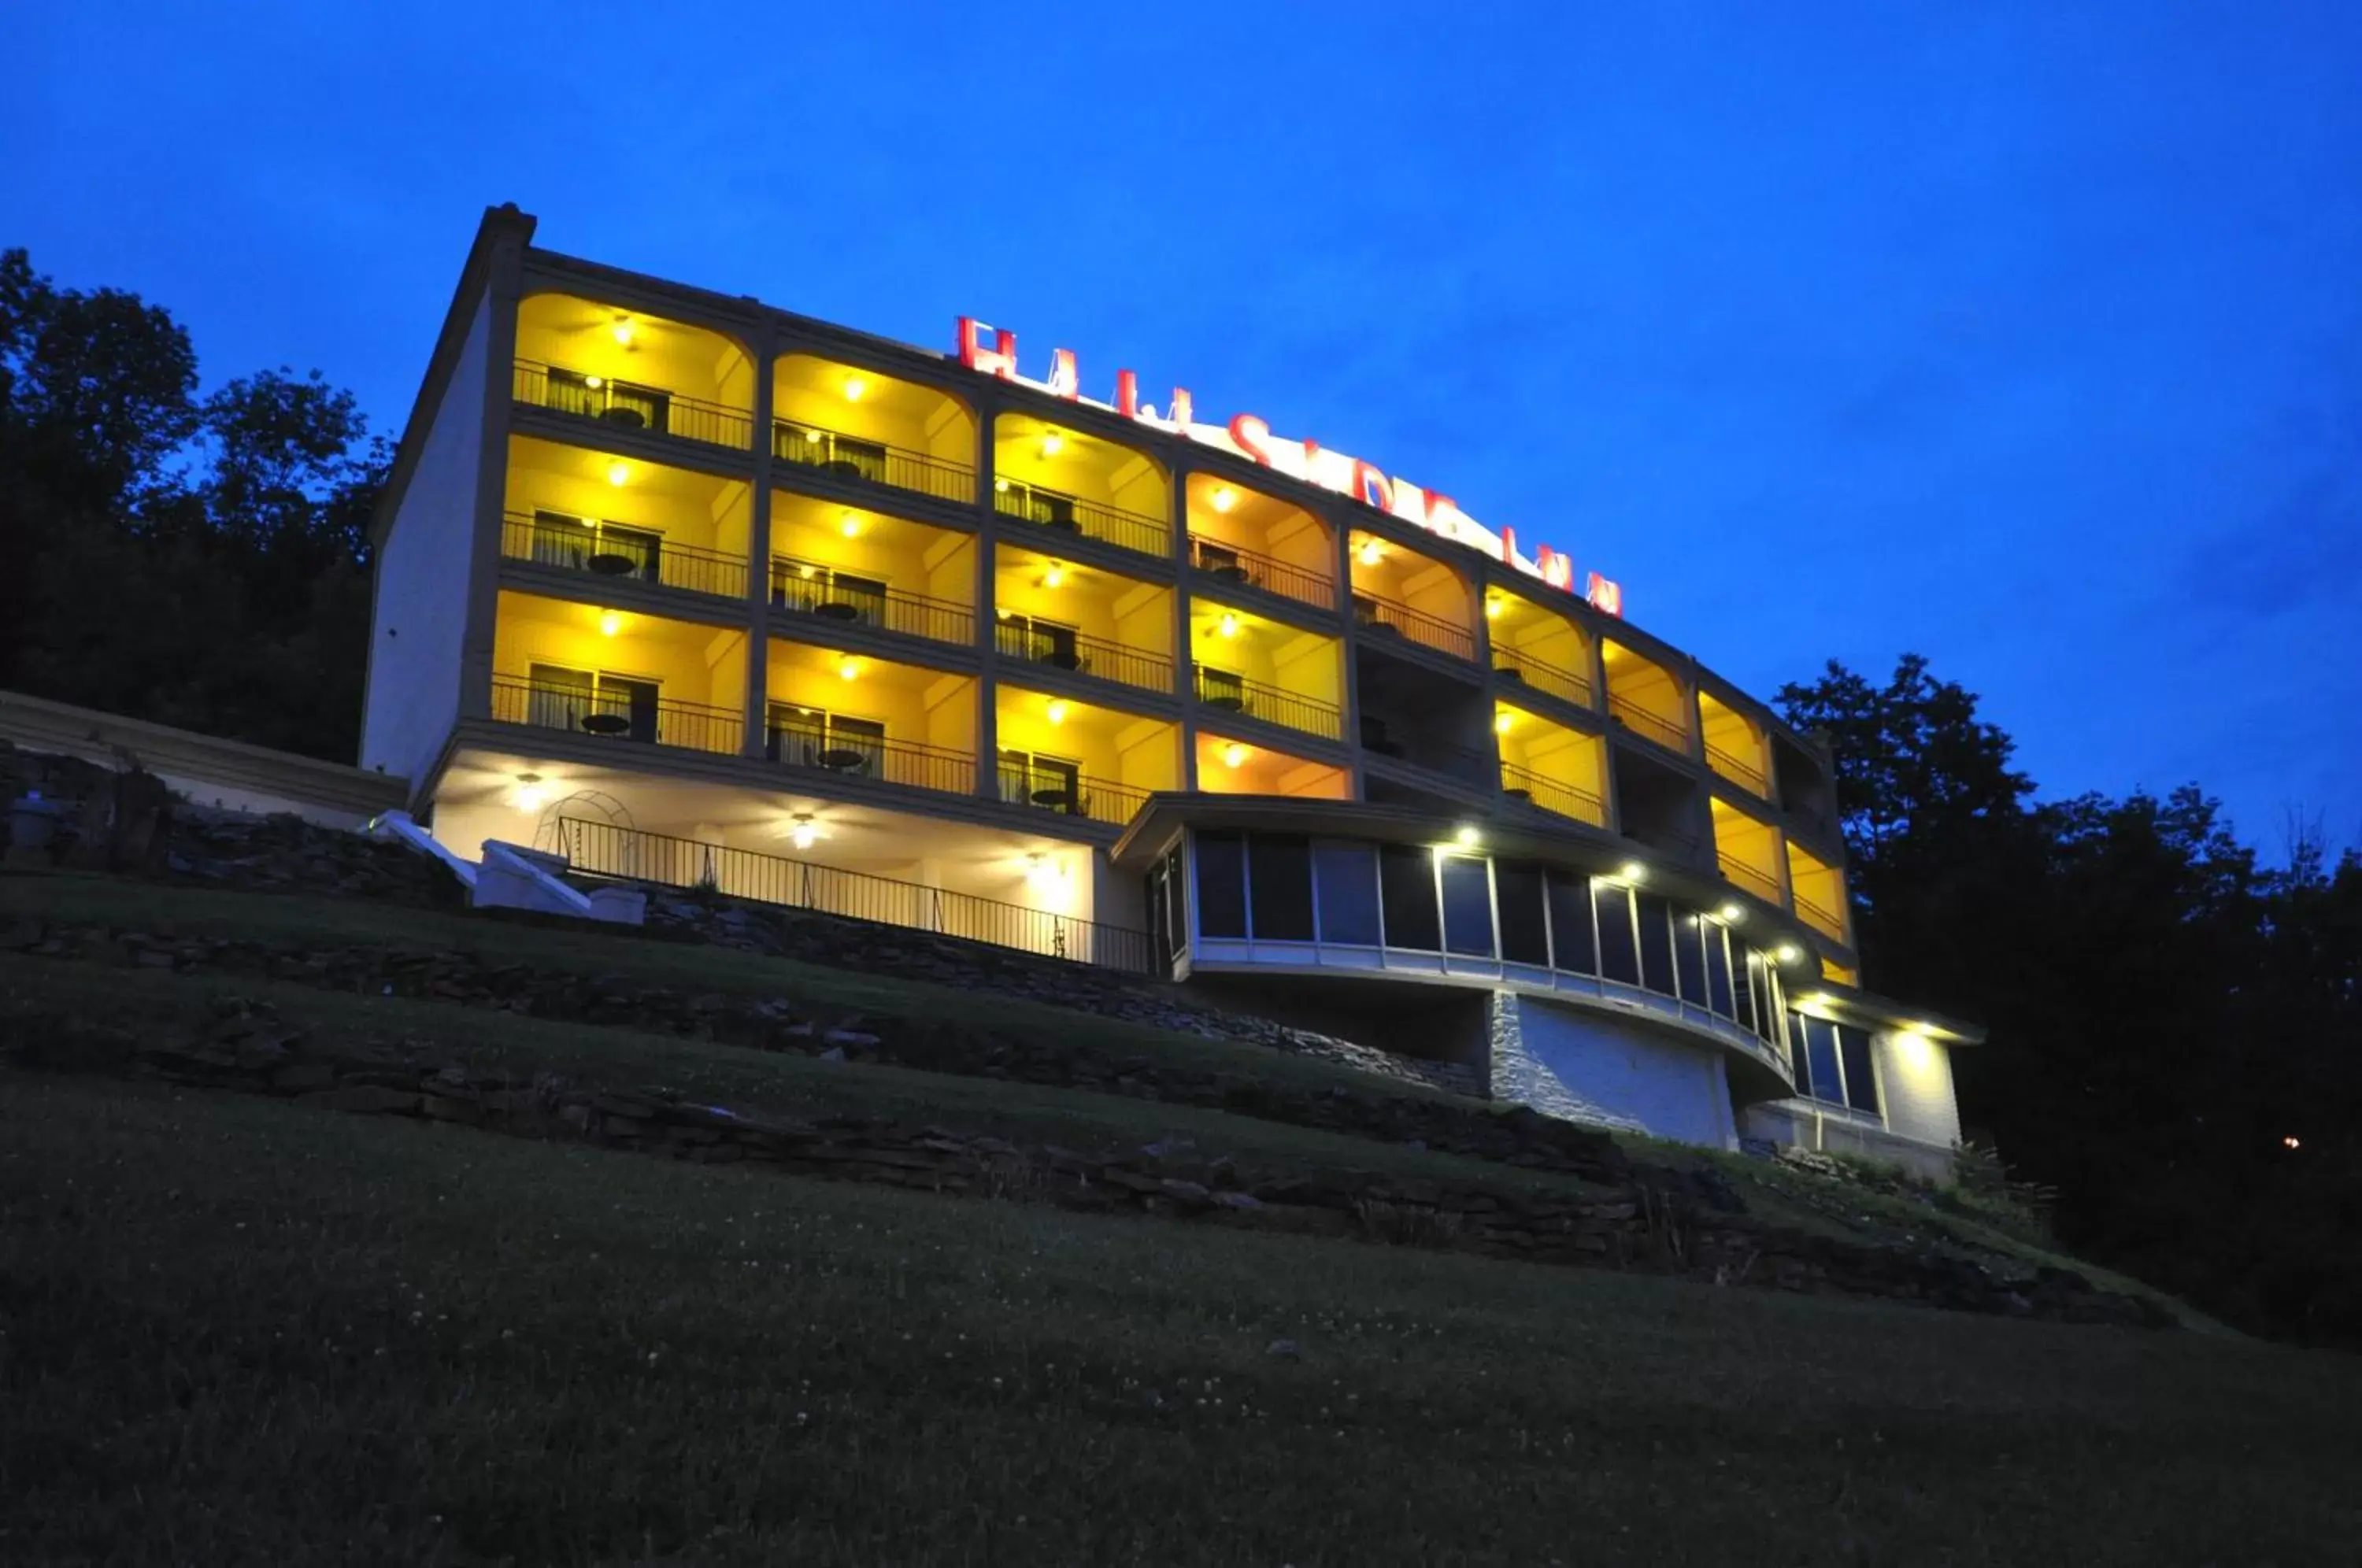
1241,537
1645,698
1080,759
621,710
1063,647
855,717
609,552
1739,874
1399,592
844,598
1229,767
1734,745
590,672
1069,483
617,371
857,425
1524,787
1221,691
1266,669
1549,765
1817,889
1538,648
1387,617
857,568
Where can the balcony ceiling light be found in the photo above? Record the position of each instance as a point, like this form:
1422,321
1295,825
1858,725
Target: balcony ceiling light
854,387
621,331
1001,485
1632,871
609,622
530,795
1371,552
594,382
1057,710
1225,497
1501,722
1466,836
849,525
1732,913
1228,625
1055,577
847,667
618,471
1492,609
801,832
1233,754
1052,443
1787,953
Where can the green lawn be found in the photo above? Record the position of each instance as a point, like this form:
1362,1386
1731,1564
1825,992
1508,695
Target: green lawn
244,1331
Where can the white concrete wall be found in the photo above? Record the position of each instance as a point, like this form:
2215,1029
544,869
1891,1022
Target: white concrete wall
422,578
1588,1066
1914,1079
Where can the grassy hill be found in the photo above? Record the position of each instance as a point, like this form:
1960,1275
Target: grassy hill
246,1330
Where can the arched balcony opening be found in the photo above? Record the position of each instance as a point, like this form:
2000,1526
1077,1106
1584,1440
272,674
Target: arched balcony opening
617,675
1228,766
611,518
1817,891
1747,852
850,565
1645,697
1081,759
865,428
1082,618
1399,592
1241,537
1253,665
1538,648
1734,745
1070,482
834,714
1549,767
630,372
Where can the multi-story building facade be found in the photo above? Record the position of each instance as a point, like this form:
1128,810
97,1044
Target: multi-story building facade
694,589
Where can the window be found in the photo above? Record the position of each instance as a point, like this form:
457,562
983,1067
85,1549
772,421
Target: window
1346,876
584,544
1281,883
1832,1062
1689,957
621,404
1406,897
1762,990
1222,689
1749,987
1467,906
1525,929
1717,970
1042,642
1176,906
1221,884
1036,778
1619,951
1574,945
814,738
598,704
1656,924
1861,1079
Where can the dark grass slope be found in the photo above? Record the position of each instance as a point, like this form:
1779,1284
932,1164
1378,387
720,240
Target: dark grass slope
247,1331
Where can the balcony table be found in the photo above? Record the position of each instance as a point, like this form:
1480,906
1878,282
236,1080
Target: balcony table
606,723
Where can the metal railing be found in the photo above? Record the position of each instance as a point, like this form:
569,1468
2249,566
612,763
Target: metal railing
1551,795
1074,795
1384,616
1657,727
835,453
603,849
1061,649
1072,515
1224,692
619,715
636,558
888,609
1512,664
906,763
629,405
1739,874
1738,769
1819,915
1228,563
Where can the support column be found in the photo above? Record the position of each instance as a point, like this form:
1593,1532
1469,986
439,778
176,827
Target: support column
765,349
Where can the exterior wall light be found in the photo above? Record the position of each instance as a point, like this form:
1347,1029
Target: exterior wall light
1632,871
1466,836
618,472
2292,1142
609,622
1732,913
1225,497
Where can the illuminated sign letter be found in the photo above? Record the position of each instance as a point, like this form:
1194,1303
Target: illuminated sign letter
1606,596
1065,380
1371,486
1247,431
1556,569
1182,409
1127,394
1000,360
1508,545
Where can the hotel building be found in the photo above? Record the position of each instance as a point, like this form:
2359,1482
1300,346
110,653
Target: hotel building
696,590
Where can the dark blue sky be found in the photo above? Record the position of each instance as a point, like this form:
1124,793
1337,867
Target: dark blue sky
2028,337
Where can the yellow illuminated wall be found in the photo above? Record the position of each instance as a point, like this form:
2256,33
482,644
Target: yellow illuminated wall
685,507
922,706
1038,452
588,338
1108,743
1819,892
1747,852
872,407
1383,569
689,663
1229,766
1734,745
1554,755
1639,681
1243,519
1304,664
1090,599
1546,650
911,558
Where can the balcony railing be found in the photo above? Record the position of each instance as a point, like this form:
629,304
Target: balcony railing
1223,692
1072,515
1738,769
632,556
628,405
1388,618
887,609
619,715
603,849
1515,667
1655,727
1228,563
1739,874
1061,649
1074,795
1551,795
906,763
1820,915
835,453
